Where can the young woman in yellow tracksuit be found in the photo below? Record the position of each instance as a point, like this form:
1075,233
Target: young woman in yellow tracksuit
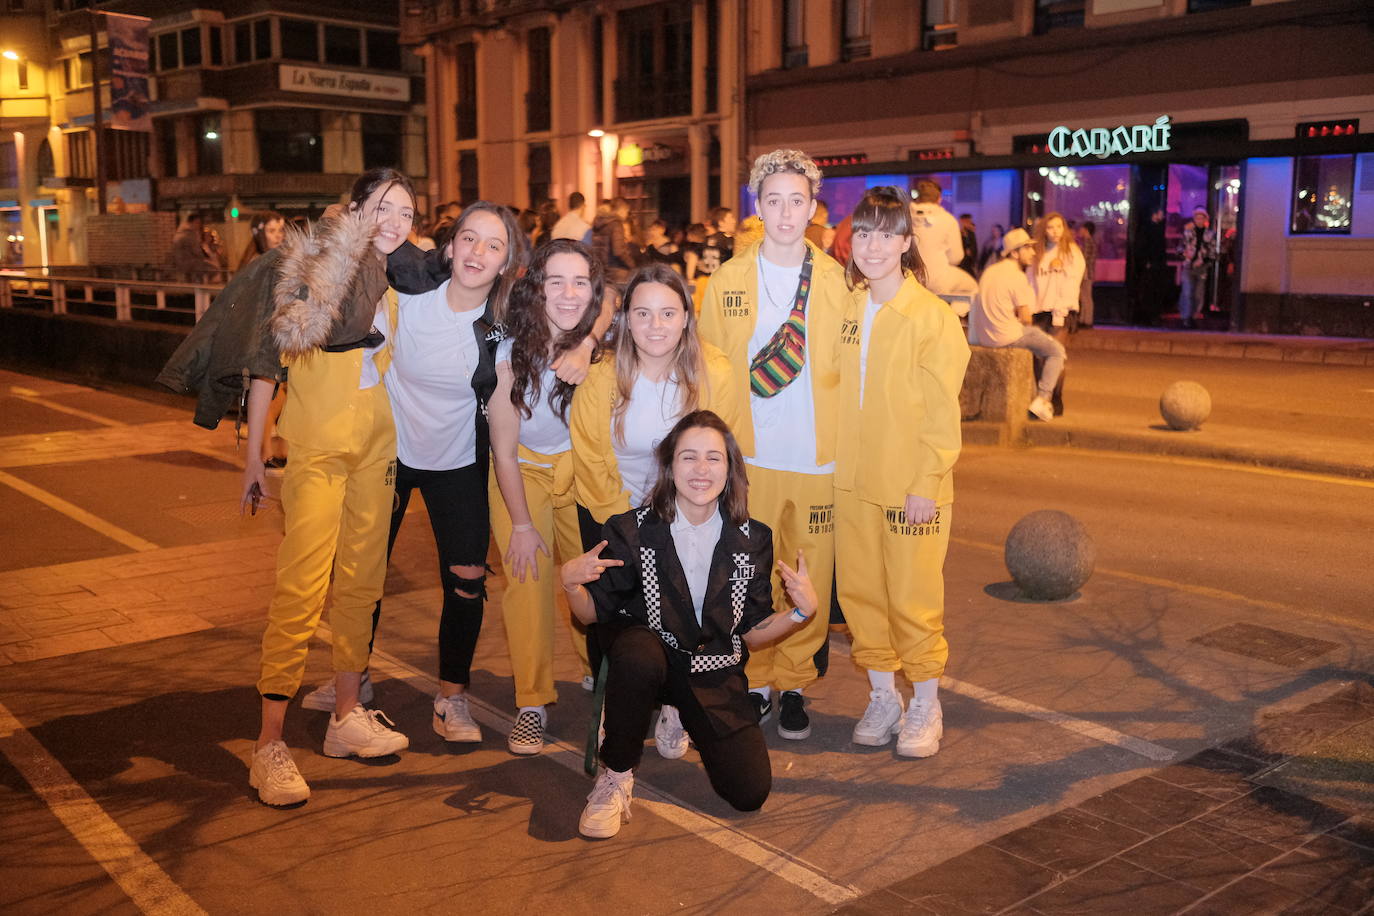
660,372
779,287
902,361
552,310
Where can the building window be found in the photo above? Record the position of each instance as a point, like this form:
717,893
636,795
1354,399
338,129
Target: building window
468,188
794,33
289,140
655,76
209,145
126,153
1052,15
537,113
1323,193
77,71
383,50
856,42
1206,6
47,168
166,129
540,164
599,70
465,110
382,135
79,161
252,41
216,36
262,39
21,70
9,165
939,25
300,40
712,81
190,47
343,46
167,51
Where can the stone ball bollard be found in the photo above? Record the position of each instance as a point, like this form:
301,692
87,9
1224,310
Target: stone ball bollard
1185,405
1050,555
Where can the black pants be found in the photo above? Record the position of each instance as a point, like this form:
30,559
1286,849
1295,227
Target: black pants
457,505
639,679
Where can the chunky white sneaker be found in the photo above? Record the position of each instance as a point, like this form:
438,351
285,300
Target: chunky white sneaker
1042,409
669,736
609,804
922,729
363,733
274,774
321,699
882,719
527,734
453,721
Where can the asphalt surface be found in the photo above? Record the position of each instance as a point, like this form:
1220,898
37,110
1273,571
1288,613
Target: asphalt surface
1048,704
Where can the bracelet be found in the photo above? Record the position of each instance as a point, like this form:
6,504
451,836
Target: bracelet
798,616
529,527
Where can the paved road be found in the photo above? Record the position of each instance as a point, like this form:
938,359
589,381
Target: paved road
121,753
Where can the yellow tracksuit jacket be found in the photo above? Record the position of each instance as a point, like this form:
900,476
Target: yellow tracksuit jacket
597,484
905,437
729,314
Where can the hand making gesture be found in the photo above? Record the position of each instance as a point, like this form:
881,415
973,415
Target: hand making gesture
798,585
588,567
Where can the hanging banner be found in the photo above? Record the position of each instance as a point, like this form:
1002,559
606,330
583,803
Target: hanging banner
128,39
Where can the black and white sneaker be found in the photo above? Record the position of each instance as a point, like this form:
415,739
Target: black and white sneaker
763,704
527,734
793,722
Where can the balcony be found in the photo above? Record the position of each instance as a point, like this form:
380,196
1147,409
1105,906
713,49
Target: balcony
667,95
262,184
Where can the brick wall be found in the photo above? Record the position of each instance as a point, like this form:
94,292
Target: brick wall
130,239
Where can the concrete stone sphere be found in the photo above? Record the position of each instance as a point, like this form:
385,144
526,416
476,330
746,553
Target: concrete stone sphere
1185,405
1050,555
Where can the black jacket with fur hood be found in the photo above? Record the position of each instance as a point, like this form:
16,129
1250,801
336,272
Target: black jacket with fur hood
319,288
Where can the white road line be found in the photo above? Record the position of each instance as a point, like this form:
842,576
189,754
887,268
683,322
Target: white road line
790,868
34,397
77,514
1079,726
150,888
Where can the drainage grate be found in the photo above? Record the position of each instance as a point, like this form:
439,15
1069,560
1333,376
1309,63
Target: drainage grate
1287,649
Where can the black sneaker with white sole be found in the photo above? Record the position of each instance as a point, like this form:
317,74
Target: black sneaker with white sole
763,705
793,722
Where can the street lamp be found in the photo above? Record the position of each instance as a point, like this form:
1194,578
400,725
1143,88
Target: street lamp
7,54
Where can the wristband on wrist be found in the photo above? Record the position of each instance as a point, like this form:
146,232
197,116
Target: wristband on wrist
529,527
798,616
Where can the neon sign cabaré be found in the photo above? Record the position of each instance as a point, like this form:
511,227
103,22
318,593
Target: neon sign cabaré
1103,142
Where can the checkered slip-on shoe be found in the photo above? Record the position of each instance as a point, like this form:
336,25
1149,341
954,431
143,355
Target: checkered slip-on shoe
527,734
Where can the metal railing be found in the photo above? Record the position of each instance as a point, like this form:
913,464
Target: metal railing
171,303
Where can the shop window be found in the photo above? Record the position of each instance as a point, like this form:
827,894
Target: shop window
468,187
939,25
465,109
343,46
1053,15
794,52
209,145
289,140
856,40
1100,194
382,136
300,40
1323,193
537,100
383,50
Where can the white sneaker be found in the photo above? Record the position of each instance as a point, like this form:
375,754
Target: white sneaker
321,699
453,721
273,773
669,736
882,719
527,734
1042,409
363,733
609,804
922,729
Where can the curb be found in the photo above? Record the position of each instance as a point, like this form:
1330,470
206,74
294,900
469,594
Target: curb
1175,444
1345,351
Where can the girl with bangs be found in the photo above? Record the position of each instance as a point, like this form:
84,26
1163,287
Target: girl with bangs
660,371
552,310
902,361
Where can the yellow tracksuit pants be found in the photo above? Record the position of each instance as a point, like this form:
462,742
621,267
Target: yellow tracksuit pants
800,510
528,607
892,586
338,513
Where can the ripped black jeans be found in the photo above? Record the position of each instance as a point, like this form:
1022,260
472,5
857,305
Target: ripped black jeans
456,501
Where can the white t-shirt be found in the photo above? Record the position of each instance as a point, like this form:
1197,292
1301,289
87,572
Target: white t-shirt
434,356
785,424
370,374
570,226
650,415
866,335
544,431
1001,289
695,545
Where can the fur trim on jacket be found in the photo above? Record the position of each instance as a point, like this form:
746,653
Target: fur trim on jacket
315,277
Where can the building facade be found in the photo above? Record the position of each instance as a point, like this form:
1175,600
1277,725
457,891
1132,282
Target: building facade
531,101
1126,113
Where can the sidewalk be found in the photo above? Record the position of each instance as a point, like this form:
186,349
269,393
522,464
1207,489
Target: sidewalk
1296,403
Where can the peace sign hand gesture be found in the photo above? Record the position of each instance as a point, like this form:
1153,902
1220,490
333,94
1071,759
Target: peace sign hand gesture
798,585
588,567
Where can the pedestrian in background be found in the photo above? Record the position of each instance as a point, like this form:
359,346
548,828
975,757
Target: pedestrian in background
1056,276
991,252
611,239
266,230
572,225
902,361
1197,249
191,257
968,233
1087,241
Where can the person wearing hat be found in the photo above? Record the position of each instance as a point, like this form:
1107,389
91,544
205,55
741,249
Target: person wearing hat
1001,316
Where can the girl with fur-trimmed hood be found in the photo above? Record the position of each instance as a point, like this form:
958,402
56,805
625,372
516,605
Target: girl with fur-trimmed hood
331,316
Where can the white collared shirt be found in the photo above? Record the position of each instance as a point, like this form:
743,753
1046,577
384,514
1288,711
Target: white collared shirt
695,545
